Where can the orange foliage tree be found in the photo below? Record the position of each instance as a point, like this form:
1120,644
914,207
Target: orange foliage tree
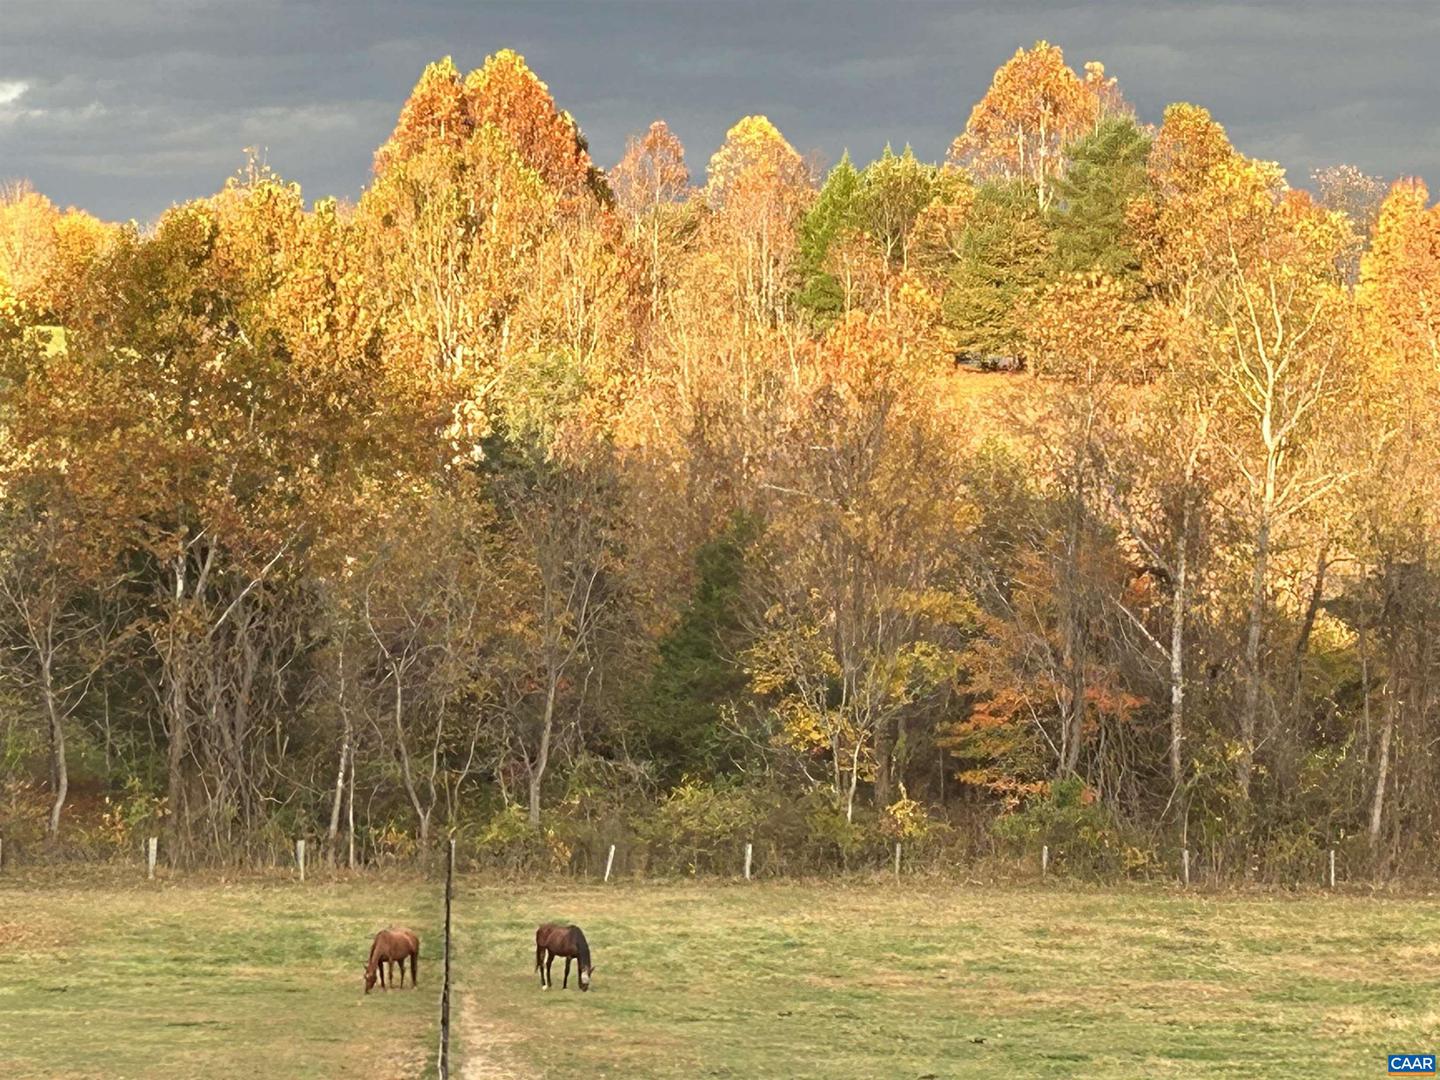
1034,106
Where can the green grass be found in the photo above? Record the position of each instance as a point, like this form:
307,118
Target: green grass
106,979
207,980
845,982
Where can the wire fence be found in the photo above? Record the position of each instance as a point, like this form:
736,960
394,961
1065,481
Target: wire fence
1329,868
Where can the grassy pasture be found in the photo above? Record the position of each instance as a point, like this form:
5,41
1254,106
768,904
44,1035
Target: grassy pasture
842,982
104,978
121,980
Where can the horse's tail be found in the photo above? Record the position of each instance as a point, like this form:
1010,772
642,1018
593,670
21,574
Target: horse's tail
415,964
539,953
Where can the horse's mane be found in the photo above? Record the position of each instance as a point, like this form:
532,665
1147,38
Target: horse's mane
582,947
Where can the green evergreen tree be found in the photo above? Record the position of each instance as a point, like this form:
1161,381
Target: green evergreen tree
1004,255
832,212
1106,172
680,710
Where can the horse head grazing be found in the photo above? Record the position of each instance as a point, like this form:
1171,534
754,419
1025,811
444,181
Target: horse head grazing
552,940
389,947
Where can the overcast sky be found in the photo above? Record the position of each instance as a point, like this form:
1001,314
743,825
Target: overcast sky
126,106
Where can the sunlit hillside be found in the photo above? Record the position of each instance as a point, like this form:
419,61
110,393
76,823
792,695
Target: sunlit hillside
1075,492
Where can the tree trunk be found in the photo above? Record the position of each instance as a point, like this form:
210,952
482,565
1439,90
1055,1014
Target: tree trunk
177,734
1074,721
1382,771
1287,740
344,753
1179,603
854,783
542,757
333,833
422,816
59,770
350,811
1245,761
884,750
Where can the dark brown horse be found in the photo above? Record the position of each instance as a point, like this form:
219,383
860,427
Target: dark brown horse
388,947
552,940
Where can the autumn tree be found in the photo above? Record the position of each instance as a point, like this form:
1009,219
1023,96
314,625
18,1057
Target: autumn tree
1090,342
650,183
560,518
1358,196
427,599
893,191
1395,605
1034,106
1228,242
854,634
757,187
506,94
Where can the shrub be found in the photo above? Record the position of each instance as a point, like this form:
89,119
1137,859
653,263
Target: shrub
1083,835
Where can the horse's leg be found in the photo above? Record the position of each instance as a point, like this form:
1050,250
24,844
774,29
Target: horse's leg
550,971
565,982
540,964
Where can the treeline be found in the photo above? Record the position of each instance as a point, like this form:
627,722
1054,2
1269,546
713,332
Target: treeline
1080,489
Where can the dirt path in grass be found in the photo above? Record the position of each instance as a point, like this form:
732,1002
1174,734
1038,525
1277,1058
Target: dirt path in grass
479,1042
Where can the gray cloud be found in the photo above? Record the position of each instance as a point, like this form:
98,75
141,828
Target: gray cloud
125,106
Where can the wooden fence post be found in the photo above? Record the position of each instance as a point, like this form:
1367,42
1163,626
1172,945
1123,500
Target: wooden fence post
1045,860
1332,868
300,858
1185,861
2,853
444,1062
897,860
150,850
748,849
609,862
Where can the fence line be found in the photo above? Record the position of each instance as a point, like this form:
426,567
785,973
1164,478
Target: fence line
443,1065
1184,866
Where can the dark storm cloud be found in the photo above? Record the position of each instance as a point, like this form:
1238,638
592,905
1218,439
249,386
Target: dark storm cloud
124,106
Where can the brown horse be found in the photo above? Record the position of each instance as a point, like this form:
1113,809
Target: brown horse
552,940
388,947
